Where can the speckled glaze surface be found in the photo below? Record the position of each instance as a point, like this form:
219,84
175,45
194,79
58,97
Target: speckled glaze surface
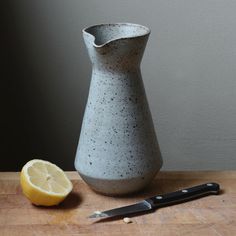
118,152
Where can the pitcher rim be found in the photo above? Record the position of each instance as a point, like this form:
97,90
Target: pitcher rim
148,31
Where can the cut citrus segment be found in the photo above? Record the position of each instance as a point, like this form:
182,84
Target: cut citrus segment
44,183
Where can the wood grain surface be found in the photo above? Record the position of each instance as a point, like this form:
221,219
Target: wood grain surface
212,215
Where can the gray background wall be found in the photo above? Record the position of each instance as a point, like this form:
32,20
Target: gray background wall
188,69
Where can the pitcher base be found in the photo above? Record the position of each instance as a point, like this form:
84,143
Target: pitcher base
118,187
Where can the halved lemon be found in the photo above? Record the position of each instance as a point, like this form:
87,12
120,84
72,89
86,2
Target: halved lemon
44,183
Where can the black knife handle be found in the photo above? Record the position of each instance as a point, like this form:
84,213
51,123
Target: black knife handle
183,195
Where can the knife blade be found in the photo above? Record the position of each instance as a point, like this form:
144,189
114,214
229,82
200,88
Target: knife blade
161,200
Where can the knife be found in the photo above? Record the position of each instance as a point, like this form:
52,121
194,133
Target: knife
161,200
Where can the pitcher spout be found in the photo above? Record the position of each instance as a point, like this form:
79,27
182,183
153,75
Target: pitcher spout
103,34
120,43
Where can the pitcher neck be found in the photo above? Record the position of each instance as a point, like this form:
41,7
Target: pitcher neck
115,66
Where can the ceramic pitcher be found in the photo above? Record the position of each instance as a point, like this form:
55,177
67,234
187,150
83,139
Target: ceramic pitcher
118,152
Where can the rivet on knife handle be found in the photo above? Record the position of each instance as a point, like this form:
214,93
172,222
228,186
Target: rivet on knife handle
184,195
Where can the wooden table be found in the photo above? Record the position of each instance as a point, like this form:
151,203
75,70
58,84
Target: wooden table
212,215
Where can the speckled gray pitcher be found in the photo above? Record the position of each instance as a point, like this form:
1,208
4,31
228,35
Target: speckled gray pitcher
118,152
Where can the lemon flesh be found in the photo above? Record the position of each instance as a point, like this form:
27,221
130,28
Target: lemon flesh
44,183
